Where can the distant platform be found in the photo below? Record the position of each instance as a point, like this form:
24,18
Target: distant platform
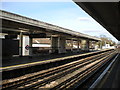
29,59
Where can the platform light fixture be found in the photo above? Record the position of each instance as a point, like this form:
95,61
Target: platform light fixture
23,29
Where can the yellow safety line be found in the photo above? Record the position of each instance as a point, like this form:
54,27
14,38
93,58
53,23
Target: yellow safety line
35,62
25,64
40,61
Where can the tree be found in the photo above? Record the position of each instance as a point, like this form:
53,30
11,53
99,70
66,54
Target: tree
106,40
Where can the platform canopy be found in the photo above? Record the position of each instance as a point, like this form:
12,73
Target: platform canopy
105,13
18,23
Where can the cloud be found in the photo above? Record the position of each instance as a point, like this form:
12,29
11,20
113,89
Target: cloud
94,30
84,19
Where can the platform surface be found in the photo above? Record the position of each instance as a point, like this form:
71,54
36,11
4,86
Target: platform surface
112,78
26,59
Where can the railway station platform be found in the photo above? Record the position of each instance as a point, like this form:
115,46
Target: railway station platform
29,59
112,78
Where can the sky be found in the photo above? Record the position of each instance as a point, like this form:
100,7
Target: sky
64,14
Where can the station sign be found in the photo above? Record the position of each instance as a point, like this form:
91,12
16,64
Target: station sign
27,47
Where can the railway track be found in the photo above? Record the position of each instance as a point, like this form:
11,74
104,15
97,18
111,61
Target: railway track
61,77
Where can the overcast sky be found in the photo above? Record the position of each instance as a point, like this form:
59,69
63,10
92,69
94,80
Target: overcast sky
65,14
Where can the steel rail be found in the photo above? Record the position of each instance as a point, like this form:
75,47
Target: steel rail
52,80
46,71
93,70
74,79
57,70
58,75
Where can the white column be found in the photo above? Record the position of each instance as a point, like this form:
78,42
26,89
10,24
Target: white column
85,45
71,44
25,45
54,44
61,45
96,45
100,44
